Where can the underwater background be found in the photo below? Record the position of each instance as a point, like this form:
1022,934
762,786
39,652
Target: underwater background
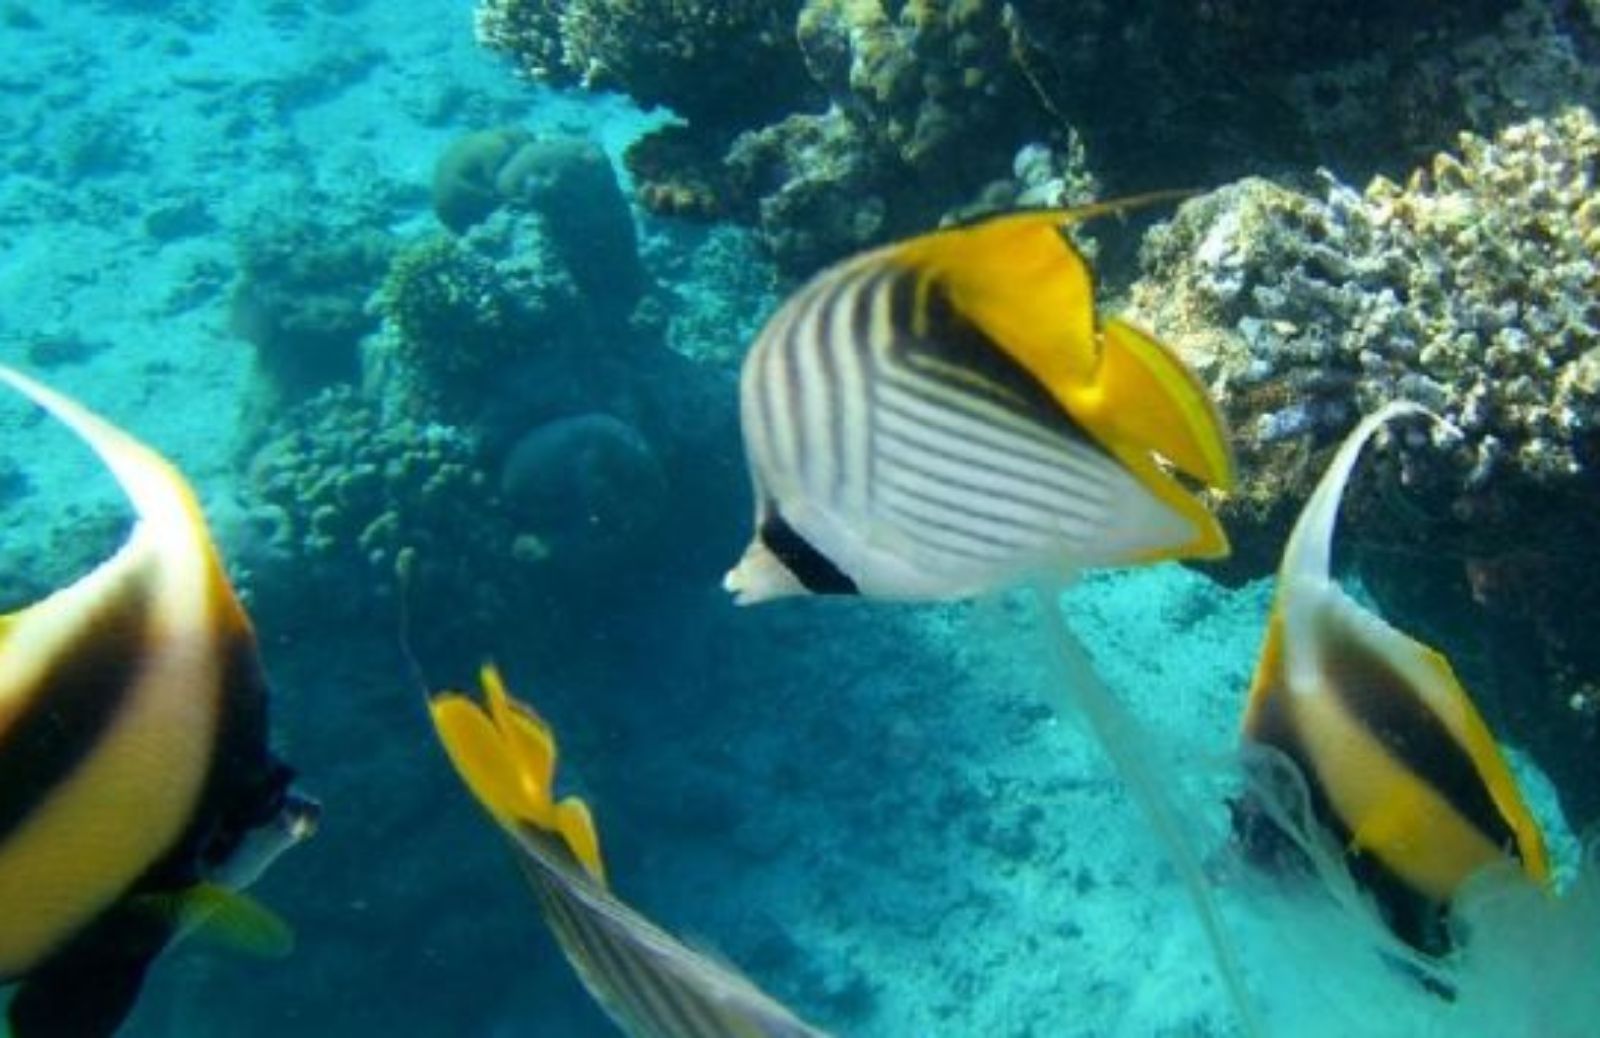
471,287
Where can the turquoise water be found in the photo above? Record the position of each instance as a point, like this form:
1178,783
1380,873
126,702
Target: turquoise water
871,810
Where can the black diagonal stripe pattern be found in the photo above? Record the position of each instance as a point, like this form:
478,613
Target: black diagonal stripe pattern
78,698
1371,690
639,974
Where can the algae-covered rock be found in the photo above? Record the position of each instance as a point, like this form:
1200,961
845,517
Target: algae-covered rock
300,300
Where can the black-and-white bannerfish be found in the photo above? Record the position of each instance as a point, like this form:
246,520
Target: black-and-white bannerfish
649,983
138,792
946,416
1398,764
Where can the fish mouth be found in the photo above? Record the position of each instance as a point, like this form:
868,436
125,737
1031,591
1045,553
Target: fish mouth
300,816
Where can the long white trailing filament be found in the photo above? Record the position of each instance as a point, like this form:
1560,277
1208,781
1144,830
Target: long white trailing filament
1119,735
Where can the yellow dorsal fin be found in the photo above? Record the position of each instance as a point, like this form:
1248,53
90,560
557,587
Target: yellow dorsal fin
1018,279
1144,395
506,755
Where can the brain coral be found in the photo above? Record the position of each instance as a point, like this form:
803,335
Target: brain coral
1474,289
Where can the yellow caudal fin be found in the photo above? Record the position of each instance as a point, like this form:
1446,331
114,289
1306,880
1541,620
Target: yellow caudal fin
506,755
1144,395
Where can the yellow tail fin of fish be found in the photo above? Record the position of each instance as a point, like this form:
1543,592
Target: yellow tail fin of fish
506,754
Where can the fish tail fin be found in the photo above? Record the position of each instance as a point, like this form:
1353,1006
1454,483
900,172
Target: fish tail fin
506,754
1148,396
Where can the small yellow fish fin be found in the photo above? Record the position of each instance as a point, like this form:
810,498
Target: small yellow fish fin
531,744
506,755
1144,394
1019,280
224,917
481,758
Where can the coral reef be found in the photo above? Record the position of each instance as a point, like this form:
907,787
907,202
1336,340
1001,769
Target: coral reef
1471,290
585,490
697,57
568,181
906,108
459,312
339,492
300,300
513,425
467,179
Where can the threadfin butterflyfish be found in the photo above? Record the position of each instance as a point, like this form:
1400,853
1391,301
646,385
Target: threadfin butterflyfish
648,982
138,794
944,416
1397,763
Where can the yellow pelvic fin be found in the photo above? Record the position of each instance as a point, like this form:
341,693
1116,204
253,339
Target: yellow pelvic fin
225,917
1144,395
506,755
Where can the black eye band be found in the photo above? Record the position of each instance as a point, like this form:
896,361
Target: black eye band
809,566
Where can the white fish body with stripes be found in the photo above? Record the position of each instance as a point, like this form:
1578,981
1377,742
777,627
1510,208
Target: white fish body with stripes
946,416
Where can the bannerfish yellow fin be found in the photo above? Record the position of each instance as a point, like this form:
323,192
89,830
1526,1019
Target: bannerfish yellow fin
1378,721
506,755
225,917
